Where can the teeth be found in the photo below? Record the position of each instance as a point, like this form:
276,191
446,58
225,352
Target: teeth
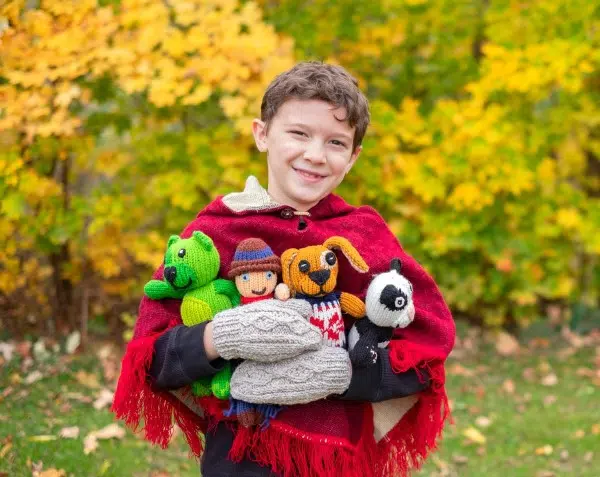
310,174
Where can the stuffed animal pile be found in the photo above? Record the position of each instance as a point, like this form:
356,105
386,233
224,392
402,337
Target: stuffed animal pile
191,268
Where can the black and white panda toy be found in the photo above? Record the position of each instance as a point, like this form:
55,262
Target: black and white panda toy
389,305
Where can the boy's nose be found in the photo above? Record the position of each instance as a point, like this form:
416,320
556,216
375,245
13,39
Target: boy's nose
315,152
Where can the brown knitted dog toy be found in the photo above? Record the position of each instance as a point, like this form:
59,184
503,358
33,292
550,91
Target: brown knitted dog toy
310,273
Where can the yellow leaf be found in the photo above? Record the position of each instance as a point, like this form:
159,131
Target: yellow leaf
200,94
545,450
569,218
474,435
5,450
52,473
565,286
88,380
175,43
233,106
547,170
42,438
105,467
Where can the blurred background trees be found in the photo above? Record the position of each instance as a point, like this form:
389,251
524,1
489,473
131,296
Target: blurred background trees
119,120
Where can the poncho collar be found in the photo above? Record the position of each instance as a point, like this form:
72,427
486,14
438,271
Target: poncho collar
255,199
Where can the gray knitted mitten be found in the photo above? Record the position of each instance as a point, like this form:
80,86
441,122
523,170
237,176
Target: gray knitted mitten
267,330
309,377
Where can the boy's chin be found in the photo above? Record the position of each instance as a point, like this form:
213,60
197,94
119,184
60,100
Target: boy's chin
308,194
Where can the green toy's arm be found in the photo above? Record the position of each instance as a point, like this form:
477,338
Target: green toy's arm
228,288
157,290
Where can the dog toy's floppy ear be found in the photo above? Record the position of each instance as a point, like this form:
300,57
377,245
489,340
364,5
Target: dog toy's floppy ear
287,258
349,251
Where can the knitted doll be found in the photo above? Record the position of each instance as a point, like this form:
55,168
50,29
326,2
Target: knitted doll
310,273
254,269
191,268
389,305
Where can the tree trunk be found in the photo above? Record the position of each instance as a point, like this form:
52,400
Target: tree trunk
480,38
63,289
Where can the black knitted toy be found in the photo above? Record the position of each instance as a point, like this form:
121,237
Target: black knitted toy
389,305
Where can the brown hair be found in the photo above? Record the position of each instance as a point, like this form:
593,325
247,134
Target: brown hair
315,80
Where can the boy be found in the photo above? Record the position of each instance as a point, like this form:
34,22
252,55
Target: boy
313,120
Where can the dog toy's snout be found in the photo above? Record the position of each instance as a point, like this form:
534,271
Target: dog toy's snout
170,274
320,277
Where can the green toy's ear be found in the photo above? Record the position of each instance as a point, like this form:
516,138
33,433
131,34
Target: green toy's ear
203,240
172,240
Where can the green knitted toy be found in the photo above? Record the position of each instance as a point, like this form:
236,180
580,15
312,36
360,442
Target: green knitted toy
191,269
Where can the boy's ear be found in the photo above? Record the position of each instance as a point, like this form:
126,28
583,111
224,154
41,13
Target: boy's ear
353,158
259,131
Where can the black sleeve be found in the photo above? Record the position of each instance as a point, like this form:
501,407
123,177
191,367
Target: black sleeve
180,359
378,382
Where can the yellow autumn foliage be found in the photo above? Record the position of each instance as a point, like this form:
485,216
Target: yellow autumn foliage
95,99
120,119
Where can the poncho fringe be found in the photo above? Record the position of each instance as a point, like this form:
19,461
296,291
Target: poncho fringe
287,452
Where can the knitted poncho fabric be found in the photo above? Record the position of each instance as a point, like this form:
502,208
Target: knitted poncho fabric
328,437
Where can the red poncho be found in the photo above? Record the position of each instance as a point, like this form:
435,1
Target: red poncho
327,437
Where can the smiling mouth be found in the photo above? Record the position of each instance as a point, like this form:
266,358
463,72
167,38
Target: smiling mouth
309,175
260,292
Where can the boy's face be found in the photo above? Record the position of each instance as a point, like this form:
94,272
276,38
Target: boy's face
309,151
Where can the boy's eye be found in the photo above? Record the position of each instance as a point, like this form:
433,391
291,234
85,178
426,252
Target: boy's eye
245,277
269,275
335,142
181,253
298,133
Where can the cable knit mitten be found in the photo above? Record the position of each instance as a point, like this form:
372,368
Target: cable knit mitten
268,330
305,378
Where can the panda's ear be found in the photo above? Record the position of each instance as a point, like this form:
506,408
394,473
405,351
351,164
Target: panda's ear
396,264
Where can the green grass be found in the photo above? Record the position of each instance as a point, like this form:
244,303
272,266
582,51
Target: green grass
521,422
565,416
47,407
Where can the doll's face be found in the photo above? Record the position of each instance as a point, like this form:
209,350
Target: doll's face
253,284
